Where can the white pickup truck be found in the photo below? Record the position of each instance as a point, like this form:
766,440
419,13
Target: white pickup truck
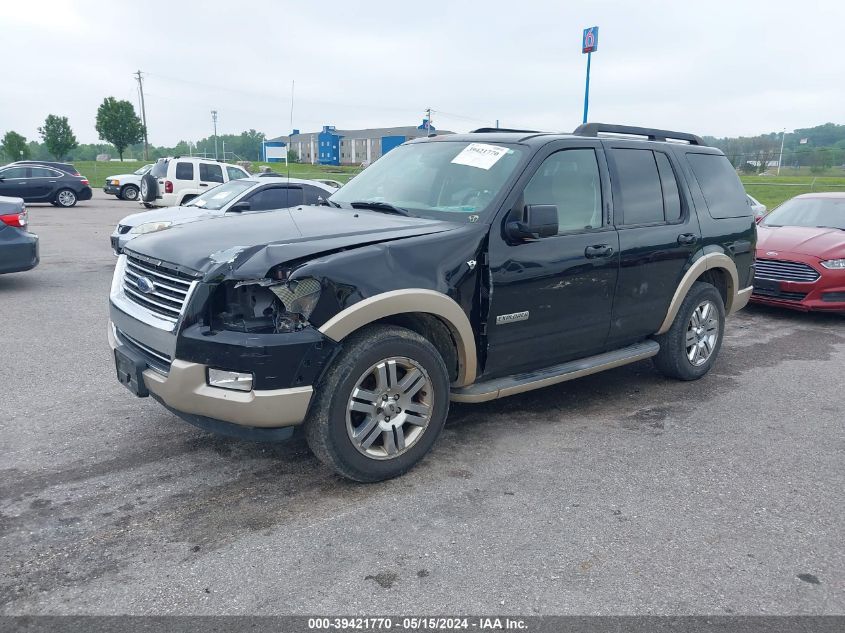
126,186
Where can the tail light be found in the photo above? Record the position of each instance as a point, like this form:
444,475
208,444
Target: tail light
85,181
15,219
168,186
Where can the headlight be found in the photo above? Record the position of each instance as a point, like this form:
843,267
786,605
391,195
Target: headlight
299,296
149,227
115,182
265,305
834,264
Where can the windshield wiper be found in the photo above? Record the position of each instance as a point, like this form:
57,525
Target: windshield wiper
838,228
325,202
384,207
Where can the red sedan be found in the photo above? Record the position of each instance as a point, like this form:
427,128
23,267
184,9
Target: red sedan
801,254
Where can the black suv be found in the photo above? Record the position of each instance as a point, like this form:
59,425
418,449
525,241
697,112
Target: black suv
463,267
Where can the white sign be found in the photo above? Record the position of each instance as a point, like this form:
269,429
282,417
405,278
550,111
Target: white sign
480,155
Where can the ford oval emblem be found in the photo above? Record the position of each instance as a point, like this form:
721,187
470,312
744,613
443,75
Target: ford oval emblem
772,253
145,285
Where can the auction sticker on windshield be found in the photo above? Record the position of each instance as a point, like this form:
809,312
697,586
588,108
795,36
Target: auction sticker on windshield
480,155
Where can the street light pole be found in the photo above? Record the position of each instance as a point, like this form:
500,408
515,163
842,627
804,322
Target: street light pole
780,159
214,120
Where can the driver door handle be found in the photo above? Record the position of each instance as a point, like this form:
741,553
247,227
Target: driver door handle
598,250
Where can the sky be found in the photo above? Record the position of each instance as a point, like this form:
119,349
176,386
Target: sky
720,68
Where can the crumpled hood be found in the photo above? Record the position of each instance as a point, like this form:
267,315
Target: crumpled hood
247,246
818,242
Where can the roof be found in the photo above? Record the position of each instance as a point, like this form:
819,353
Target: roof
374,132
823,194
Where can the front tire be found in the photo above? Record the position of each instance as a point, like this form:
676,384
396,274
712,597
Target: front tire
380,406
129,192
690,348
65,198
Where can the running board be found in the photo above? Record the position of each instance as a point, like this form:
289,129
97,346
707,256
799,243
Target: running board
519,383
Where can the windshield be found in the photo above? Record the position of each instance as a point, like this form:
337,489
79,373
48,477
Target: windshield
433,178
215,199
809,212
143,170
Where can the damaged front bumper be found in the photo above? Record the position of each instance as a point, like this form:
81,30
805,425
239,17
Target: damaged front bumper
184,389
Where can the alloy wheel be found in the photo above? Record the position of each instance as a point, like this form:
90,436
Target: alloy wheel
390,408
702,333
67,198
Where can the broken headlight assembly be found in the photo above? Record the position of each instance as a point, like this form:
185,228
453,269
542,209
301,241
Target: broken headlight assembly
265,305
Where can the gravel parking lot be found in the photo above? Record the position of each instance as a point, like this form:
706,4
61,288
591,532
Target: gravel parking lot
620,493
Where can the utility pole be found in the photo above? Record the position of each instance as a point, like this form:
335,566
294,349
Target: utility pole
428,121
780,159
214,120
140,79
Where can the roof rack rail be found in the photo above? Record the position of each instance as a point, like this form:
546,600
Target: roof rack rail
481,130
594,129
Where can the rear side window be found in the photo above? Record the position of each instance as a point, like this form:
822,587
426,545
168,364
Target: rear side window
44,172
720,185
184,171
637,188
211,173
159,170
313,195
235,173
671,194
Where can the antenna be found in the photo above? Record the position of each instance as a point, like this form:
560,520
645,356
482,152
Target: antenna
290,134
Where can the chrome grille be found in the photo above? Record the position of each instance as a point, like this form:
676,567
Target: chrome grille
170,287
777,270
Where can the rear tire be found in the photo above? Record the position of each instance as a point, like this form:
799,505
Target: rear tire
690,348
383,373
66,198
129,192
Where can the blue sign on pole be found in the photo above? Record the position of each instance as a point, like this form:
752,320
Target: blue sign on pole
590,41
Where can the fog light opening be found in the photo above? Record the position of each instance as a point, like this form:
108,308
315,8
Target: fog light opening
236,380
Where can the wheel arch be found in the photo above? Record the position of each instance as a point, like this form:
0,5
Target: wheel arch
714,268
424,311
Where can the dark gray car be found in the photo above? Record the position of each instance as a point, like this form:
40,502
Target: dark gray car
18,247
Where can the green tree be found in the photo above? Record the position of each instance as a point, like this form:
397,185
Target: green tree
14,146
57,135
118,124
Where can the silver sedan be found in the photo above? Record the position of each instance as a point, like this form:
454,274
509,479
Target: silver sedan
246,195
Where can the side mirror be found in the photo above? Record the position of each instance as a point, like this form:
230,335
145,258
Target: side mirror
240,207
759,218
539,220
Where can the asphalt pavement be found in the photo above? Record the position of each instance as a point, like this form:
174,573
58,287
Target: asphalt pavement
620,493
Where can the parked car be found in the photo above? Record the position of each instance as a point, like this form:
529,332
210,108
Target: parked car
757,207
65,167
236,196
463,267
18,247
172,182
335,184
126,186
40,183
801,254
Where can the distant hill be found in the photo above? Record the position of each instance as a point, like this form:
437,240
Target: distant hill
821,146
